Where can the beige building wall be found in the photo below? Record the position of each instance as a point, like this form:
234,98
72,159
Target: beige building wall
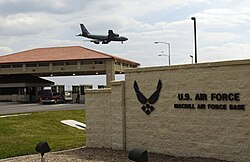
105,117
98,118
169,129
118,115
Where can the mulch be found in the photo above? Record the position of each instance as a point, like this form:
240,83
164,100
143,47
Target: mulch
86,154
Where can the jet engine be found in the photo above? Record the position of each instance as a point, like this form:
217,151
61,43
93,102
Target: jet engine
95,41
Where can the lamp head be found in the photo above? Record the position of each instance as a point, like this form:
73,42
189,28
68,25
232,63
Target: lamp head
42,147
193,18
138,155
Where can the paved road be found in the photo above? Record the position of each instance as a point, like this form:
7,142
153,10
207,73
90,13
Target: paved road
13,108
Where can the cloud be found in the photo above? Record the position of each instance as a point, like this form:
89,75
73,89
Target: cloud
5,50
223,17
222,28
46,23
136,8
10,7
26,24
229,51
58,43
216,38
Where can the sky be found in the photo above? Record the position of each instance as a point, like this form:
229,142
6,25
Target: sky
223,31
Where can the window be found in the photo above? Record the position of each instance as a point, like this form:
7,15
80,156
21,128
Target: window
82,90
31,65
43,64
86,62
8,91
71,63
124,64
75,89
98,62
58,63
101,86
17,65
5,66
22,90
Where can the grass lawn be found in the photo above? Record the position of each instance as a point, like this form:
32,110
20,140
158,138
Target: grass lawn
20,134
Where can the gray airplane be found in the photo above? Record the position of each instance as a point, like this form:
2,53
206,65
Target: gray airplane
104,39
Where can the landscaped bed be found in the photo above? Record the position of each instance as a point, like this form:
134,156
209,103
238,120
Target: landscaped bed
102,155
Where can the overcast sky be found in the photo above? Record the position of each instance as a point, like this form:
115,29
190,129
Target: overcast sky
222,27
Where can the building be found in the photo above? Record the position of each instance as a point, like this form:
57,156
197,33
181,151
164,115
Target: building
63,61
22,87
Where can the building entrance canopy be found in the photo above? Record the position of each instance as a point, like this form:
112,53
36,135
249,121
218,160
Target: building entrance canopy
64,61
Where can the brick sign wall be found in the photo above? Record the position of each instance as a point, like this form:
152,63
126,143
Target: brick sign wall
197,110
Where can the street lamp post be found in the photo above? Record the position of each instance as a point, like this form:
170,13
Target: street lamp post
163,54
168,50
195,40
192,58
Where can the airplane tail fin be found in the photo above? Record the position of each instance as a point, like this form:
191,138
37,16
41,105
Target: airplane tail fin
84,29
112,34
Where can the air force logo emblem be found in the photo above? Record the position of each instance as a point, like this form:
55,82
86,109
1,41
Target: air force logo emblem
147,103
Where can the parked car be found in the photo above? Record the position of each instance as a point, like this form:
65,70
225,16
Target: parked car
51,97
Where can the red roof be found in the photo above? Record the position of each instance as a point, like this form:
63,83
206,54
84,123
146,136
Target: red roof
58,54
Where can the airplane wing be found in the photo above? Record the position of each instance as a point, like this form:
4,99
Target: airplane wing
93,40
106,41
110,37
96,41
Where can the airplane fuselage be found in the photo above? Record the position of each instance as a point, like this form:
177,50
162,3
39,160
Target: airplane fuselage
104,37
